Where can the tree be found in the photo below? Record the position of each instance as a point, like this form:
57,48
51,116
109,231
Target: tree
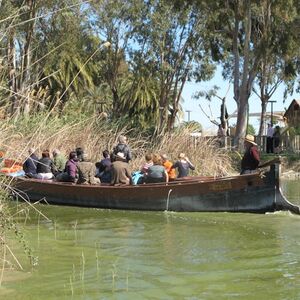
241,27
277,61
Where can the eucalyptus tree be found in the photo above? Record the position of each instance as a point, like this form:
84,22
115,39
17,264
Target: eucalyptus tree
110,20
170,39
277,65
241,43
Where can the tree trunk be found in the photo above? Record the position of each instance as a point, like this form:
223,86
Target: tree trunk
12,80
262,117
245,86
242,117
27,57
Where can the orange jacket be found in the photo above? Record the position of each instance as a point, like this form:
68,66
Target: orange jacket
168,166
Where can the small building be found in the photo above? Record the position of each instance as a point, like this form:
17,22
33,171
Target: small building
292,114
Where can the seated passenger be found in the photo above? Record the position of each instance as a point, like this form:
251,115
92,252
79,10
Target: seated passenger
86,171
168,166
120,173
144,168
70,172
104,168
183,165
45,167
59,161
157,172
29,166
79,153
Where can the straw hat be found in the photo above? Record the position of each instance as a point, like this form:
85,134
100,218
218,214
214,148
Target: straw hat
250,139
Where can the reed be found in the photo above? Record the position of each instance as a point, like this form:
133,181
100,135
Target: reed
96,134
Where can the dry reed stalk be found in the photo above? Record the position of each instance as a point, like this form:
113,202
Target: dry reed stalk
95,135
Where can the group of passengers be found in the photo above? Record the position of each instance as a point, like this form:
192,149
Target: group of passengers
113,169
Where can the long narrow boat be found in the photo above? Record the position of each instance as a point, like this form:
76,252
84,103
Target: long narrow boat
258,193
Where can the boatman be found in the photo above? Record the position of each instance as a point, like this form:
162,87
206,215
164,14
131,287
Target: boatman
250,160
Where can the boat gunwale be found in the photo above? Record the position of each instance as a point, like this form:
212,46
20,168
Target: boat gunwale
184,182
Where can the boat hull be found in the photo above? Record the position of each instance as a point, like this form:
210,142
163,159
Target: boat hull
246,193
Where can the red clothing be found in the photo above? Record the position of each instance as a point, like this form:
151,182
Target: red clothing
250,160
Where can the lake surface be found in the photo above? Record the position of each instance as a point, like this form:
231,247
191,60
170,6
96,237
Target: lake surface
104,254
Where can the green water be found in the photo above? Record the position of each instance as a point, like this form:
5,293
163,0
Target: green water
102,254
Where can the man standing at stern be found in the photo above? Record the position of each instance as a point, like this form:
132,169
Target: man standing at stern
250,160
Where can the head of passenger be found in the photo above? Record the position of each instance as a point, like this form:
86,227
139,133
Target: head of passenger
181,156
105,154
122,139
164,157
55,152
79,153
156,159
148,157
73,155
45,153
85,157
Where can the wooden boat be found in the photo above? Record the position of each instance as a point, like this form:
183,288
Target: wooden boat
258,193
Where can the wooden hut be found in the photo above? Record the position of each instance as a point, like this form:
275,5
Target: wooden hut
292,114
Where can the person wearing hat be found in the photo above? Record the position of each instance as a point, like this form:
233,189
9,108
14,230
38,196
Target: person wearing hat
123,148
250,160
120,173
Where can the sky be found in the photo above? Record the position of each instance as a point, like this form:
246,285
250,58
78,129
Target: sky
196,113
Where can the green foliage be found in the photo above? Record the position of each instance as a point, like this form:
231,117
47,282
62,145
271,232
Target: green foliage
192,126
294,131
52,60
251,129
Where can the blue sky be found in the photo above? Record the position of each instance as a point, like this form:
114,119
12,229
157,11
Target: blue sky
196,113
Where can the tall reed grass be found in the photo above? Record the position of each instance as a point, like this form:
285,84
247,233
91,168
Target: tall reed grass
96,134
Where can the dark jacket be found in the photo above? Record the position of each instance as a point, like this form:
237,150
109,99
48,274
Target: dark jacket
123,148
45,165
105,170
183,168
30,164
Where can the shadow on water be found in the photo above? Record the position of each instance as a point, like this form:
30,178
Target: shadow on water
103,254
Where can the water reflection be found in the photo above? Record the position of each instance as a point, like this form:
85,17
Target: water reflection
102,254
